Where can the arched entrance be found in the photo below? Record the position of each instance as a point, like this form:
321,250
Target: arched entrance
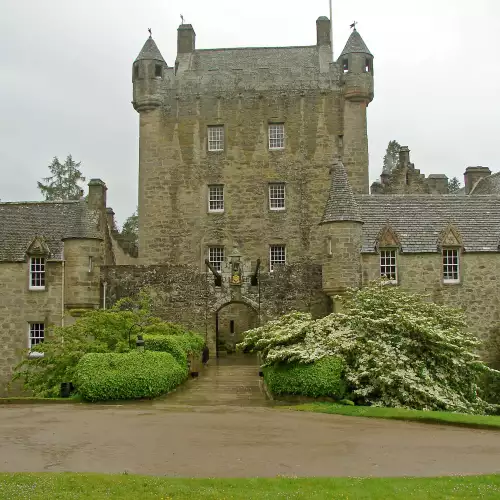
231,321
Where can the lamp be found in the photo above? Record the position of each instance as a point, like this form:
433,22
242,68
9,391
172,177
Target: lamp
139,343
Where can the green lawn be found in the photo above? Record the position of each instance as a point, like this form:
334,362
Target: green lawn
96,486
432,417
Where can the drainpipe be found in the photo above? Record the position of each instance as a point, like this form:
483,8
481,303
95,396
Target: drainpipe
104,295
63,280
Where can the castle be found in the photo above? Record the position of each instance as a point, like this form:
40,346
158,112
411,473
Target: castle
253,201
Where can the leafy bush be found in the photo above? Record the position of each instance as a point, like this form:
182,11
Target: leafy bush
133,375
96,331
167,343
399,349
191,342
322,378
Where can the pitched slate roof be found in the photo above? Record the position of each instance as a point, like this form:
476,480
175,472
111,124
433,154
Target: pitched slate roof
150,51
419,220
355,44
488,185
21,222
341,205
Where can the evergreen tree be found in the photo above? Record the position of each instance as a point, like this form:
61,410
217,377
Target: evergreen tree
63,183
130,230
454,185
391,156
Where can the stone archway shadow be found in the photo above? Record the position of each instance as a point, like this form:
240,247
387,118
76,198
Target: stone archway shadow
232,319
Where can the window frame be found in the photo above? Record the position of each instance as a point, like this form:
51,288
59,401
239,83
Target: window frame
274,126
42,274
160,67
276,185
271,262
215,200
31,337
220,140
217,265
447,264
383,258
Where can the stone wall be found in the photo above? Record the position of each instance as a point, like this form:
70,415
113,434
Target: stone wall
478,292
184,295
20,306
175,170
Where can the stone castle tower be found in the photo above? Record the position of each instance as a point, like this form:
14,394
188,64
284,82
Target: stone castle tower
236,147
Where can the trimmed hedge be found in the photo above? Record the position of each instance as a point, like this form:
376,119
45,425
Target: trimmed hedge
167,343
191,342
319,379
133,375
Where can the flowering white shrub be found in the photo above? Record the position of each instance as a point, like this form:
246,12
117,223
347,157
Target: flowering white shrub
399,349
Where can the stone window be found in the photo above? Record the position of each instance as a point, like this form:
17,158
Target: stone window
277,255
345,65
368,66
388,266
37,334
216,138
216,198
277,196
158,71
91,264
37,273
276,136
216,257
451,267
136,70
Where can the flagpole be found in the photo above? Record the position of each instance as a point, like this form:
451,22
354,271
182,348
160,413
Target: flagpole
331,28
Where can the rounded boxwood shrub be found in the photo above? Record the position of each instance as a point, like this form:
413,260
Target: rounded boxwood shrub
134,375
167,343
319,379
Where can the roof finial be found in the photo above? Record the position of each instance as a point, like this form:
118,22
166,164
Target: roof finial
182,19
353,25
150,33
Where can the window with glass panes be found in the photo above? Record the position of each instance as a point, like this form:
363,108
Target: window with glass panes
37,273
451,265
277,196
37,334
216,138
277,255
388,269
276,136
216,257
216,198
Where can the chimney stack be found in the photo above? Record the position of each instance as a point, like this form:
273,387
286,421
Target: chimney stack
404,156
474,174
186,38
323,31
97,194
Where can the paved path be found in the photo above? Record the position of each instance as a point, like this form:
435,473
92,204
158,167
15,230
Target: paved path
233,441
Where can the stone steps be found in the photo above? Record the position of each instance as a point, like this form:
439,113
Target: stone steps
233,380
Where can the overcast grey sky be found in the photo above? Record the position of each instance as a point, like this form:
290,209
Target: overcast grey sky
65,74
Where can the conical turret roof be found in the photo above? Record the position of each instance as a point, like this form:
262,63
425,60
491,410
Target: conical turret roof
150,51
355,44
341,205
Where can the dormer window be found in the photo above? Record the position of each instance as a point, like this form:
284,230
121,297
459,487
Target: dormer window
345,64
451,265
158,71
388,265
37,273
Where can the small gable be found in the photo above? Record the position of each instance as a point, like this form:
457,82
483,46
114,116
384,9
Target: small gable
387,237
38,247
450,237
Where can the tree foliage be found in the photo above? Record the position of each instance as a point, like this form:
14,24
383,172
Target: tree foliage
399,349
63,184
97,331
454,185
130,229
391,157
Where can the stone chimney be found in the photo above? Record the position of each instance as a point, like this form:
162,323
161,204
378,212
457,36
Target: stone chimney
323,31
110,216
474,174
97,194
438,183
404,156
185,39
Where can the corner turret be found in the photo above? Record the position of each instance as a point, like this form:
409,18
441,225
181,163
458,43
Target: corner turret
148,71
356,62
342,231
